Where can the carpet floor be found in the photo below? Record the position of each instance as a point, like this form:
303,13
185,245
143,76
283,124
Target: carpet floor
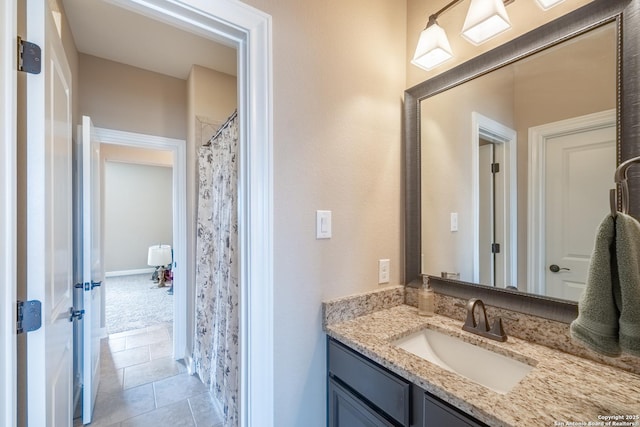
135,302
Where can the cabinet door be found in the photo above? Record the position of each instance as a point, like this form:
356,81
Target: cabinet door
346,410
438,414
381,388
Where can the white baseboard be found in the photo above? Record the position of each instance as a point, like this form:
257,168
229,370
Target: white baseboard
149,270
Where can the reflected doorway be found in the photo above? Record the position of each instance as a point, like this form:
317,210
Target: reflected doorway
495,202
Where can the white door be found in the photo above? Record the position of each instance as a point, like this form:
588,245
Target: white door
8,214
49,225
92,269
579,174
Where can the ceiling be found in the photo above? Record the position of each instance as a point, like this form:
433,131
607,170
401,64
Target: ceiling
111,32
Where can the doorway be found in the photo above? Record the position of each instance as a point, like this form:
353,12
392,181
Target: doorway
494,190
138,210
249,30
177,150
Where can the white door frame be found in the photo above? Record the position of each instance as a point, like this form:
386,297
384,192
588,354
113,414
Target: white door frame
538,137
179,184
8,216
249,30
486,127
239,25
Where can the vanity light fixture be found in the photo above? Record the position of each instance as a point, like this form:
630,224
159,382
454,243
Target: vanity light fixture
485,19
433,47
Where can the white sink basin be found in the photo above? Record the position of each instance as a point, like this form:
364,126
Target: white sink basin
492,370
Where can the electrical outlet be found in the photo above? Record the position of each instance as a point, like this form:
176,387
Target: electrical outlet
383,271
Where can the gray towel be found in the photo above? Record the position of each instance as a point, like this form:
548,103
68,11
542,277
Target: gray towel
598,314
609,310
628,296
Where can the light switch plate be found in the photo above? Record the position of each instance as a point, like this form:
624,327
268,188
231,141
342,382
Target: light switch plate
454,221
323,224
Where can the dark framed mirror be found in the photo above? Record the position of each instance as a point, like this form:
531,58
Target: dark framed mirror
603,28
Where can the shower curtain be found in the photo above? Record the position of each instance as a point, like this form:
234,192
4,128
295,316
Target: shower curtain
217,317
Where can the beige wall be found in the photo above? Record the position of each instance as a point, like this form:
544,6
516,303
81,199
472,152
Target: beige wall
524,15
212,95
338,78
134,180
142,156
137,213
118,96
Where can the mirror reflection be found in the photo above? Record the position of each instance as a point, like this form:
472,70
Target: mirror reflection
516,166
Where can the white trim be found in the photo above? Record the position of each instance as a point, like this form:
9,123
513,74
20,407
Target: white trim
8,217
538,137
129,272
483,126
179,150
249,30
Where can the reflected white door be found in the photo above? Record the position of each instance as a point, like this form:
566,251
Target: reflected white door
92,269
579,174
49,225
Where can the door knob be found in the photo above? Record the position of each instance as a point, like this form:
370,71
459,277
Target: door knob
554,268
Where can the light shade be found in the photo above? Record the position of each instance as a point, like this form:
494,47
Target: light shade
433,48
485,19
159,255
548,4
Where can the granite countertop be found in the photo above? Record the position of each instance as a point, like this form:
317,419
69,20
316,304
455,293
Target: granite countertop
561,390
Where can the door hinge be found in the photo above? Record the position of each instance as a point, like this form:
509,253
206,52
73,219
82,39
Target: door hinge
495,248
29,316
29,57
87,285
75,314
495,167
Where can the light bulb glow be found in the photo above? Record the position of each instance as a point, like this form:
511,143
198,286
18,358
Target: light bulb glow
548,4
485,19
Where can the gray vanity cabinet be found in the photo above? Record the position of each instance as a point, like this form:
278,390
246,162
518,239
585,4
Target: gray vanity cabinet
362,393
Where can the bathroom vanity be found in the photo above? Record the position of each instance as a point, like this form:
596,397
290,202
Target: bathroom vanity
371,380
364,393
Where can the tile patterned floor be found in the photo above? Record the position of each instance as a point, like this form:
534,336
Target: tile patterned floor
141,385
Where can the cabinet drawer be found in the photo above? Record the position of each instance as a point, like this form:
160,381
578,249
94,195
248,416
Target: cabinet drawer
383,389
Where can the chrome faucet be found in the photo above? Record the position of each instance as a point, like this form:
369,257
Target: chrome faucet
481,327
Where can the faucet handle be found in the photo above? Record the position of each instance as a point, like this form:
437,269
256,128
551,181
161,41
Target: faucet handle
498,331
